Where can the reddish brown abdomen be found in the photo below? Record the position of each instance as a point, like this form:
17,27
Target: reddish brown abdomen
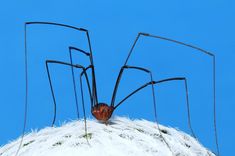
102,112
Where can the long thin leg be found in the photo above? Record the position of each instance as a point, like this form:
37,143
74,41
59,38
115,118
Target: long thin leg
78,50
52,91
74,82
152,83
74,49
161,81
83,108
147,71
94,90
84,71
81,86
154,99
119,79
26,90
94,87
26,69
91,98
199,50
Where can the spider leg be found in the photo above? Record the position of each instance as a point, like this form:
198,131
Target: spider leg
153,92
50,82
72,70
83,105
91,97
26,68
161,81
72,49
119,79
53,95
199,50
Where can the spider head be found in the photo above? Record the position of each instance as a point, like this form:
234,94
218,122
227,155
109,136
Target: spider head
102,112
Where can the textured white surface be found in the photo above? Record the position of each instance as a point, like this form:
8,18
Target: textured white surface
122,137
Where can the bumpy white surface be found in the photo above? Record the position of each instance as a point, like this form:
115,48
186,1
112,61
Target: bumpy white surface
122,137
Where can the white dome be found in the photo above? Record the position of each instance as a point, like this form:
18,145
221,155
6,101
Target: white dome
122,137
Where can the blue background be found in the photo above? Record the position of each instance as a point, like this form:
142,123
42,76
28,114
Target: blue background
113,26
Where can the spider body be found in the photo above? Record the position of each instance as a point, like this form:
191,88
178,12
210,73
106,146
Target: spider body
102,112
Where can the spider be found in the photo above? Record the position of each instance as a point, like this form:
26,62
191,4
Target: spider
103,111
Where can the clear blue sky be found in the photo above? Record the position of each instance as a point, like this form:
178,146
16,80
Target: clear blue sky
113,27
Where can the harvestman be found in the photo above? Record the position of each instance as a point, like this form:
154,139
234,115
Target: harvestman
103,111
